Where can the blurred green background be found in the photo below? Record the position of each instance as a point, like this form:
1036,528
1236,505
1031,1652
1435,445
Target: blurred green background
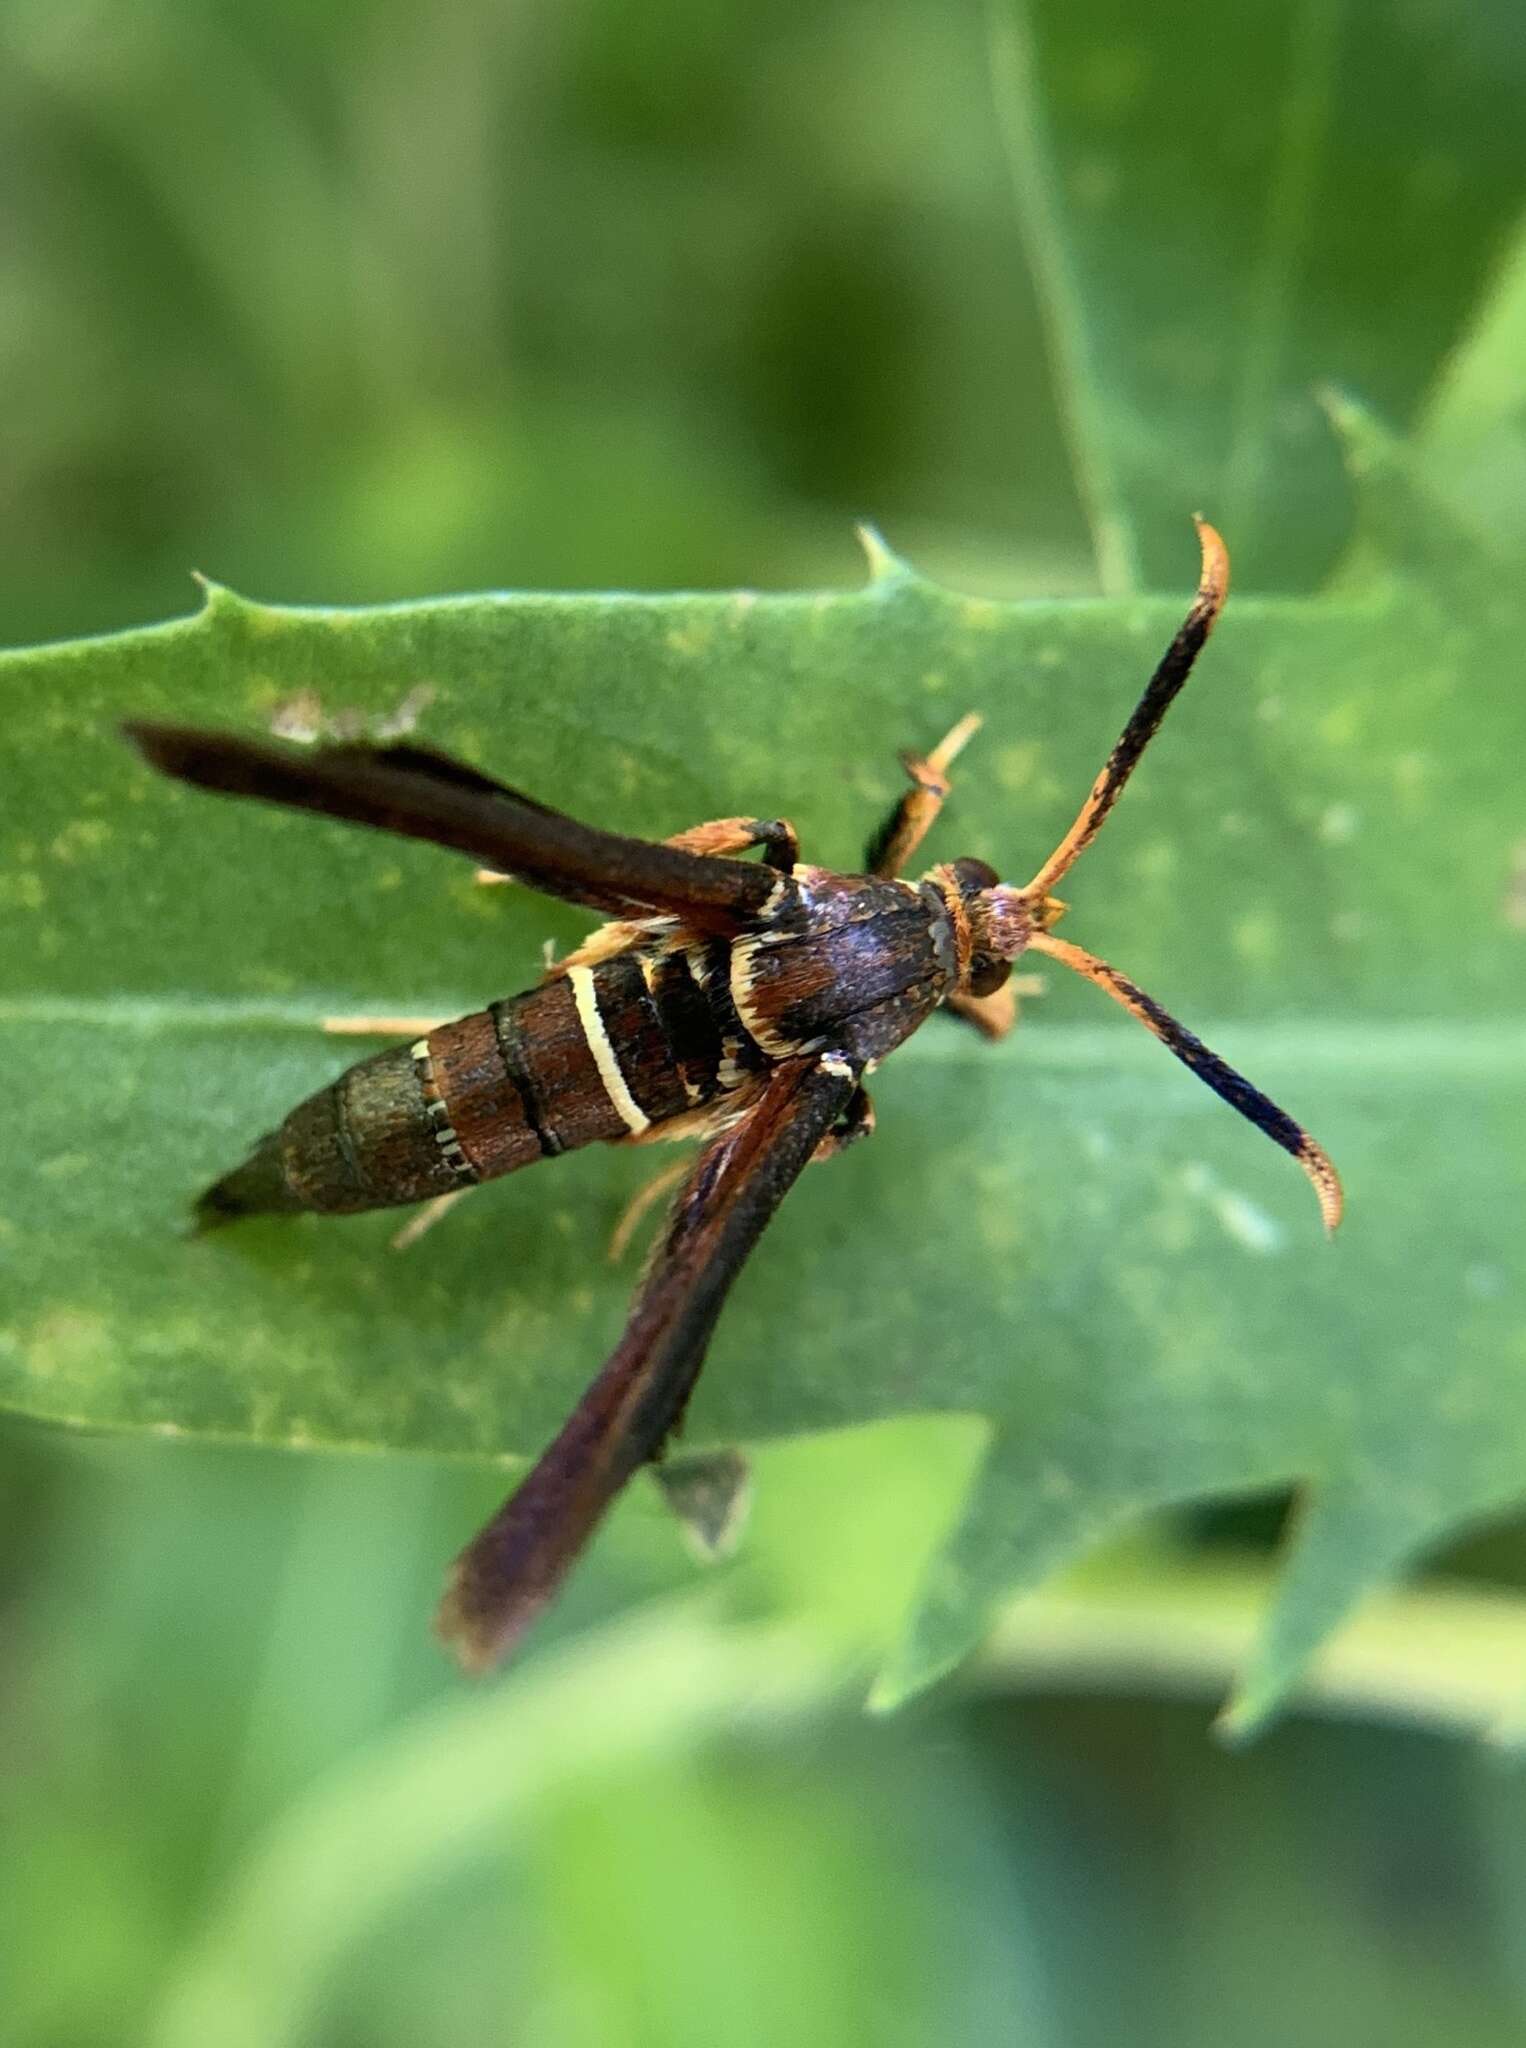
348,302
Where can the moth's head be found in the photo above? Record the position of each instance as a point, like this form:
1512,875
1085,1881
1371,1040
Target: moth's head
999,922
1004,922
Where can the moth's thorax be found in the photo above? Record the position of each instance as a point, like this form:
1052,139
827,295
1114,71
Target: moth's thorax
848,962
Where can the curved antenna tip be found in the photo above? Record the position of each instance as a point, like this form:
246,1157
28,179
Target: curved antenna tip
1213,581
1326,1182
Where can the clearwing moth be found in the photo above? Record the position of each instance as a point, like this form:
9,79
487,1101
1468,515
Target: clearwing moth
737,1002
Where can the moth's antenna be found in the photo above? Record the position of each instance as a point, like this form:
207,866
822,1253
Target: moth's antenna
1017,920
1221,1078
1175,666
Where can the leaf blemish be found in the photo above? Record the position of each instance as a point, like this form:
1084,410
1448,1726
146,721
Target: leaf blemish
1340,823
1484,1282
1245,1222
68,1341
1157,861
21,892
1514,907
689,640
1341,725
298,718
81,835
1017,766
64,1165
1256,937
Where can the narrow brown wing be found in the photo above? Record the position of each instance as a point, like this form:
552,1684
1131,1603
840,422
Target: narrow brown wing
511,1570
424,795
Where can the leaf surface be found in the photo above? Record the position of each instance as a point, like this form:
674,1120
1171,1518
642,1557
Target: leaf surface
1321,868
1063,1234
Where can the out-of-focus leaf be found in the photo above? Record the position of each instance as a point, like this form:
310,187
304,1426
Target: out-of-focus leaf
1234,209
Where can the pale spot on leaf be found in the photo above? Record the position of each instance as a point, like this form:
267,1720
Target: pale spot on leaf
1484,1282
1157,861
1241,1219
68,1343
691,639
1339,823
79,836
21,892
1341,725
1256,937
1016,766
64,1165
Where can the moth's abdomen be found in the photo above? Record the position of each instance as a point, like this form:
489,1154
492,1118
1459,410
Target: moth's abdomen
599,1052
376,1137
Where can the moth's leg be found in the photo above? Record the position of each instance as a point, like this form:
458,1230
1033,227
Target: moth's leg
383,1027
426,1218
856,1121
781,847
641,1202
605,942
776,836
912,819
995,1015
992,1016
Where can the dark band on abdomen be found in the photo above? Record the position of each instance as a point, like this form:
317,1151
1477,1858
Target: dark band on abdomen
486,1109
518,1064
638,1042
738,1041
690,1027
547,1037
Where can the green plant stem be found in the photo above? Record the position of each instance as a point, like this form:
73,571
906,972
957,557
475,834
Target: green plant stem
1440,1655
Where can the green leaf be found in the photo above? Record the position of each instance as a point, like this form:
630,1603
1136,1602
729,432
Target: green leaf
1228,212
1063,1235
1321,868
